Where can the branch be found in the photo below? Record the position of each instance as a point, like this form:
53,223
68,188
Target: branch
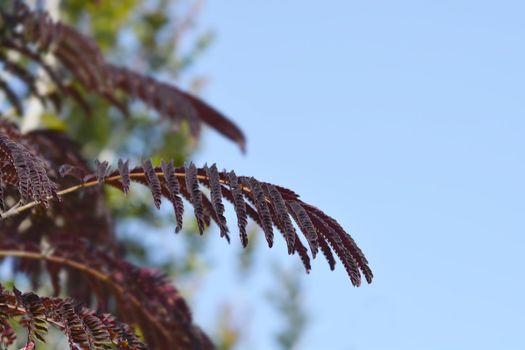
268,205
22,311
143,297
19,208
82,58
82,326
90,271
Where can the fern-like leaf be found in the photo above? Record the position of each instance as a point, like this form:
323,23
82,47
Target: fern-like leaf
153,182
71,170
272,206
216,197
82,326
256,194
102,170
31,33
172,184
123,168
303,253
192,185
7,333
144,297
237,199
283,218
35,318
25,171
306,225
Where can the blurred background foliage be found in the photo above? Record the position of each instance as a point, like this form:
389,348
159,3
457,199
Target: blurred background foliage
163,39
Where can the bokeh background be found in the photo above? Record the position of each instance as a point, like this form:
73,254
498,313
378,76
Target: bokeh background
402,119
405,120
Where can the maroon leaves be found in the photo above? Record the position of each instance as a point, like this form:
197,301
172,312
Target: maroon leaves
80,56
214,118
216,197
283,219
102,169
145,298
25,171
272,206
123,169
2,203
351,249
98,336
268,205
153,182
192,185
83,327
164,98
237,199
73,326
327,252
35,320
172,184
71,170
7,333
23,75
337,245
306,225
258,197
303,253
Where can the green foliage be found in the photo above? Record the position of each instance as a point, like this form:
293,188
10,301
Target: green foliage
103,20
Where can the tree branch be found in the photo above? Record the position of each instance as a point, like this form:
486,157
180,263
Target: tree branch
93,273
18,208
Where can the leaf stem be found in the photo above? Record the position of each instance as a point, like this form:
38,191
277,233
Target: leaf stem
18,208
105,278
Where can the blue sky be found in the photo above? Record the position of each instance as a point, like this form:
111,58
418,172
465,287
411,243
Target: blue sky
405,121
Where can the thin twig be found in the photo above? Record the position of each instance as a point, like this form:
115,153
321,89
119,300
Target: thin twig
93,273
17,209
23,311
12,209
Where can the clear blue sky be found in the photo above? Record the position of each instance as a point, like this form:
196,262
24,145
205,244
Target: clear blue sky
405,120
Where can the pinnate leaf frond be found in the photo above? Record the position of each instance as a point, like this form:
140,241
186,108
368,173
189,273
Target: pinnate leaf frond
268,205
84,328
173,187
144,297
25,171
32,33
